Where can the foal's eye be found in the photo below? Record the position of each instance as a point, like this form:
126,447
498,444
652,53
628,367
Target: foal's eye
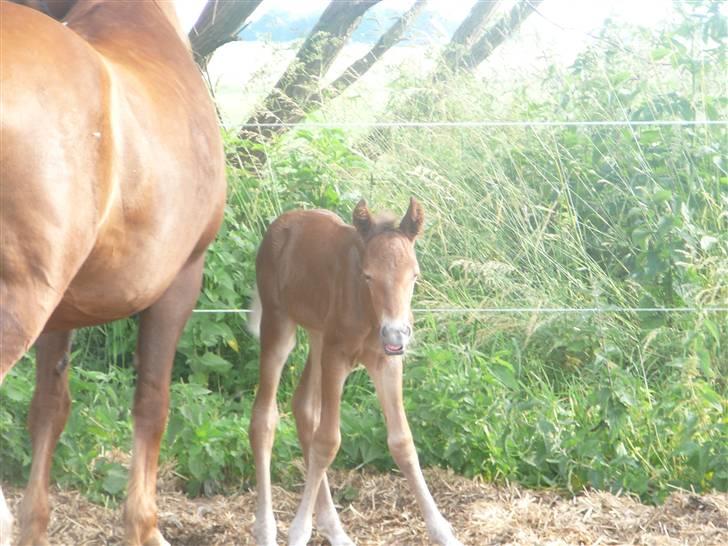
367,277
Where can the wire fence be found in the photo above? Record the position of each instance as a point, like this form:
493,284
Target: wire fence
506,123
501,123
519,310
486,123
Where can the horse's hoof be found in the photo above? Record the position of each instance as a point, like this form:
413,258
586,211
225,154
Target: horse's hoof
6,521
337,539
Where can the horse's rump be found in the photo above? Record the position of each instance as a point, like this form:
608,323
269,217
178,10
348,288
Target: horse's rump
112,169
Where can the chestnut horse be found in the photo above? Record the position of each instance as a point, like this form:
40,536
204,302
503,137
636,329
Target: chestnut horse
350,288
111,188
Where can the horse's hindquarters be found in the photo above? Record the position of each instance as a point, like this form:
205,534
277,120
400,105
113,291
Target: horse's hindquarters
110,182
50,162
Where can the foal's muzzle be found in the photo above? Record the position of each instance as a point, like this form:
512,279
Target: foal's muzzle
395,338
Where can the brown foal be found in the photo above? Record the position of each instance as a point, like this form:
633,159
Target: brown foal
350,288
112,185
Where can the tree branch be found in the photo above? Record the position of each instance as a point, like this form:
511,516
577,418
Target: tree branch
298,89
497,34
357,69
469,30
219,23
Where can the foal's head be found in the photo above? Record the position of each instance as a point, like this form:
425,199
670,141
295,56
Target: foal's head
389,267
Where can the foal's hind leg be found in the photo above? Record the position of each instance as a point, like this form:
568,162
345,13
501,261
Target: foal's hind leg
335,367
160,327
307,410
48,414
277,338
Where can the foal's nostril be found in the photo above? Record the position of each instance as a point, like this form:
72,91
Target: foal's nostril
395,337
404,331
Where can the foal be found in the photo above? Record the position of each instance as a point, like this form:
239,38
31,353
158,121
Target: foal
350,288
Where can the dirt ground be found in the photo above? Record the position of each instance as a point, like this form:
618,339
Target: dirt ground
378,510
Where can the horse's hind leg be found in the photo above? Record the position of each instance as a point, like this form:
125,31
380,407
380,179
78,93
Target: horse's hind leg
6,518
22,316
48,414
6,521
160,327
307,410
277,338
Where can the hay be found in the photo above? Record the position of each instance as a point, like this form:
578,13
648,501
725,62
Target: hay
378,510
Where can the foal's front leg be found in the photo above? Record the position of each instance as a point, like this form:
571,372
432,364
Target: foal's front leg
387,376
307,410
324,445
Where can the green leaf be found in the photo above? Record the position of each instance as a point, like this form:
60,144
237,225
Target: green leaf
214,363
661,196
712,327
640,236
713,399
505,375
115,479
15,394
196,465
660,53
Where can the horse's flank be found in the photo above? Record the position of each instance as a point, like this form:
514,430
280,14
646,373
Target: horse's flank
137,124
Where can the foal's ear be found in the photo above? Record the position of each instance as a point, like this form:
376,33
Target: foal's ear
414,220
361,218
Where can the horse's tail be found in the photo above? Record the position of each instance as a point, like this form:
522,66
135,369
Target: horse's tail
256,314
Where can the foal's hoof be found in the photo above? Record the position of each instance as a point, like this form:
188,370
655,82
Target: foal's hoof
441,533
300,532
156,539
6,521
332,531
264,531
38,541
340,539
5,534
34,542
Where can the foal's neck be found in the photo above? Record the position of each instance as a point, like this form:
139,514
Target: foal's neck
362,297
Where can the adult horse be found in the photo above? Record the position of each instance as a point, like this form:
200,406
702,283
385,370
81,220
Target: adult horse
111,188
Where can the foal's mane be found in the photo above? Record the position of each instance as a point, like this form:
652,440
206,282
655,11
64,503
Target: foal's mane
380,223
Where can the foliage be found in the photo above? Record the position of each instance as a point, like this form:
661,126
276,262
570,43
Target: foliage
566,216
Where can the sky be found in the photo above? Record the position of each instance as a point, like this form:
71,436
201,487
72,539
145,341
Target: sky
577,15
244,72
